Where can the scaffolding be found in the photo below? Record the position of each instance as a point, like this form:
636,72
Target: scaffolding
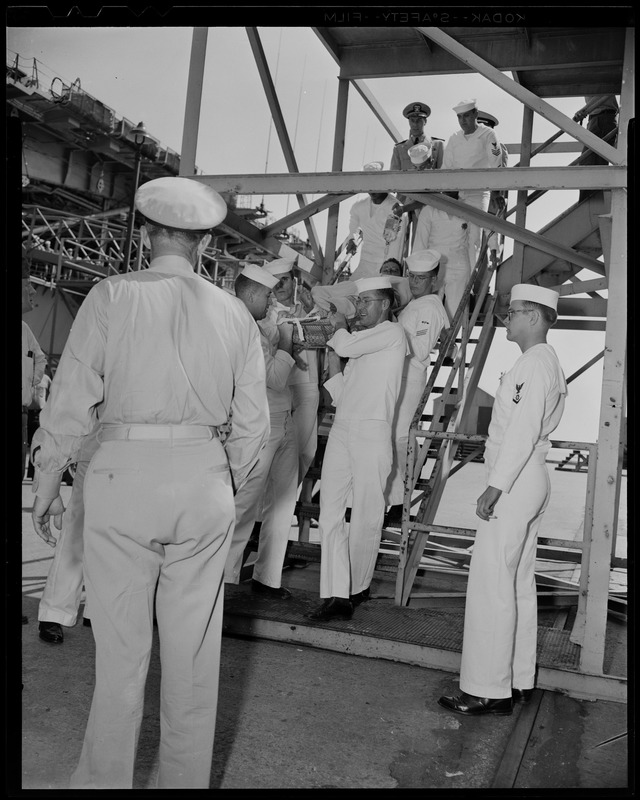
70,251
594,226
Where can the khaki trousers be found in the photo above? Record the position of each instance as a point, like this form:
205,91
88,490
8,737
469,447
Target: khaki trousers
158,519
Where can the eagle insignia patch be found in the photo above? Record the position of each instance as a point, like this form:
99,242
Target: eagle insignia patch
517,398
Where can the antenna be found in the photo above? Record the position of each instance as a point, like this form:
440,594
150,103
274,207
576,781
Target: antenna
295,132
275,81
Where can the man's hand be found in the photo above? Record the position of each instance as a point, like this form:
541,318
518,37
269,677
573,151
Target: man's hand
285,337
300,362
305,297
487,502
41,515
338,320
351,247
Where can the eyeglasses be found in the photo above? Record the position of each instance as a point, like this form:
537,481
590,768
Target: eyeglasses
513,311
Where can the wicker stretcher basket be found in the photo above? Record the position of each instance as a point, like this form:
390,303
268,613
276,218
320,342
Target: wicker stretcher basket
312,333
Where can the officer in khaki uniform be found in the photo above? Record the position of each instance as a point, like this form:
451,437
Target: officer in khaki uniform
170,358
500,624
417,114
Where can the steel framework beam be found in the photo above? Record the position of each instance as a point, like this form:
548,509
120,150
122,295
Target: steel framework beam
281,128
538,105
193,102
440,180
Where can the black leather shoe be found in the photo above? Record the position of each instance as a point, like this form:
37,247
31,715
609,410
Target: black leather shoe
333,608
393,517
261,588
86,622
360,597
295,563
50,632
471,705
522,695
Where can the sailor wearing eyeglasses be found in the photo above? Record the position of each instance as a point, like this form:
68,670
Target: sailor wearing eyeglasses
358,456
500,626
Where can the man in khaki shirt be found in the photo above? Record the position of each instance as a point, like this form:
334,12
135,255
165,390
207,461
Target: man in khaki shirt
169,359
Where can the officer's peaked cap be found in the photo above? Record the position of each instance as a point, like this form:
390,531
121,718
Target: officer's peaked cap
181,203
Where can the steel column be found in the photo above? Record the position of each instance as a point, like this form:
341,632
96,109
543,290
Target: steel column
521,202
609,457
336,166
281,129
193,102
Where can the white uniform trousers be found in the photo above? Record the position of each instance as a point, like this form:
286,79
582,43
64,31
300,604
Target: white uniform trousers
501,613
408,399
456,276
157,514
477,200
357,463
271,487
63,590
305,399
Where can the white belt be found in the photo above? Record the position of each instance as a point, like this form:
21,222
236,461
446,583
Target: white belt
145,432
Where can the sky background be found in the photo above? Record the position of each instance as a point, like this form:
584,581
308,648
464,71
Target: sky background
142,74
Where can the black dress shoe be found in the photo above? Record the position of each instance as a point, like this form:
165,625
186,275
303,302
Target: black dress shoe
295,563
471,705
261,588
360,597
86,622
393,517
50,632
332,608
522,695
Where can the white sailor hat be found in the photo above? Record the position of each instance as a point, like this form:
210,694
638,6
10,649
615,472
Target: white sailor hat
373,166
280,266
535,294
487,119
465,105
377,282
259,275
180,203
423,260
419,153
417,109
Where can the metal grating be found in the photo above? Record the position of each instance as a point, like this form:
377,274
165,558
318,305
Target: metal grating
429,628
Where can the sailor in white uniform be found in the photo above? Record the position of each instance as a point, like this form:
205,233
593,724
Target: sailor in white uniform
500,626
474,146
270,490
369,215
295,301
358,457
423,320
449,236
